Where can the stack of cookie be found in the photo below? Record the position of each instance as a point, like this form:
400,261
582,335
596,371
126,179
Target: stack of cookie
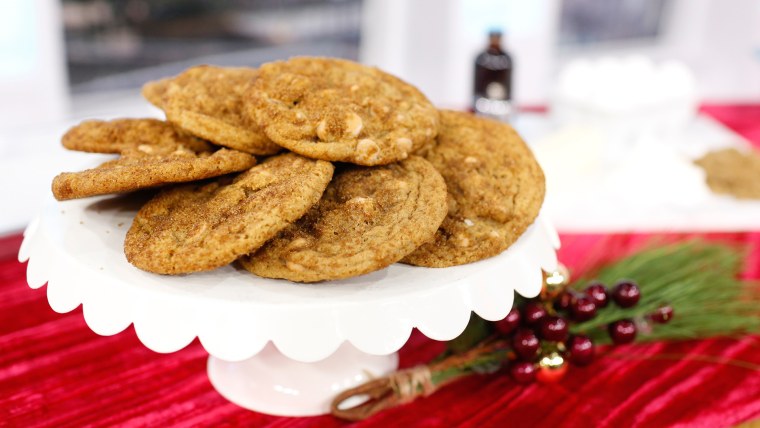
356,170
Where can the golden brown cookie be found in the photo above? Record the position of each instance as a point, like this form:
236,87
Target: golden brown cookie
207,102
155,92
98,136
339,110
147,166
367,219
732,172
200,227
495,188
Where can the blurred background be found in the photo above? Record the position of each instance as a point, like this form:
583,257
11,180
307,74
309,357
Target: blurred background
62,61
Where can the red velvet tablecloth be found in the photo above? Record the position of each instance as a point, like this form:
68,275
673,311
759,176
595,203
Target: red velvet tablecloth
55,372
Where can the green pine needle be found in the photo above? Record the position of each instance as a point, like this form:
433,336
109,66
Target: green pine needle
699,280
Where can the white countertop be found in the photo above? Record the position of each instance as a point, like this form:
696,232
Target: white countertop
598,182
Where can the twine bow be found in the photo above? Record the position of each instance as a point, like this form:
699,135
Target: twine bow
398,388
404,386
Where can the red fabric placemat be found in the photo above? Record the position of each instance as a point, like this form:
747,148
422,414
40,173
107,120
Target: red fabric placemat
55,372
742,119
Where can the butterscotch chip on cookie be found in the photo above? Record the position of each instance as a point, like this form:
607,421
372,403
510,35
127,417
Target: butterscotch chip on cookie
495,188
98,136
149,165
339,110
200,227
367,219
207,101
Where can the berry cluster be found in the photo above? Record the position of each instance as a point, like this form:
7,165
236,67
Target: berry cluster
539,330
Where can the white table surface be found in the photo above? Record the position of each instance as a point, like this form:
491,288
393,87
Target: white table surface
598,183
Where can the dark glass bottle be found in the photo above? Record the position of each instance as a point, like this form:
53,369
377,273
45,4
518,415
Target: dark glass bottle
493,80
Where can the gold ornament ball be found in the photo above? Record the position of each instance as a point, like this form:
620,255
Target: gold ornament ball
552,361
551,367
555,282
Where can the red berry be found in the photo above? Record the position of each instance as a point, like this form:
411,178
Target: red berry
525,343
533,312
523,372
510,322
626,294
583,308
554,329
598,293
662,315
622,332
581,350
562,303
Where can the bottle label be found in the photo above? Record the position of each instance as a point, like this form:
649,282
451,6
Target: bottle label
497,109
496,91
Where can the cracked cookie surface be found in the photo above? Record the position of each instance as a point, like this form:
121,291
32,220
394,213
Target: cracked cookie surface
203,226
339,110
367,219
495,189
207,101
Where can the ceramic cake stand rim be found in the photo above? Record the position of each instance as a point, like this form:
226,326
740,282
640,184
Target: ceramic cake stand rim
296,367
168,320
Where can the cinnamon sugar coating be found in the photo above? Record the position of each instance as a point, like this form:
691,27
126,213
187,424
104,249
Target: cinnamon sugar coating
495,189
732,172
367,219
203,226
207,101
338,110
98,136
152,153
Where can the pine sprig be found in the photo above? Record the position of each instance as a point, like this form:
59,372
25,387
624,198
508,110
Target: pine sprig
699,280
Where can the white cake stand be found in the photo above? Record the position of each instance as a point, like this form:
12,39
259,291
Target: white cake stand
276,347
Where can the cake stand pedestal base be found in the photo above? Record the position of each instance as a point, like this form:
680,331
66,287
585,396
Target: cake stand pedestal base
274,384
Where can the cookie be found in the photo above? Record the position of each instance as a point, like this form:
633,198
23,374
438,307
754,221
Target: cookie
200,227
339,110
732,172
98,136
155,92
148,166
495,188
367,219
207,102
